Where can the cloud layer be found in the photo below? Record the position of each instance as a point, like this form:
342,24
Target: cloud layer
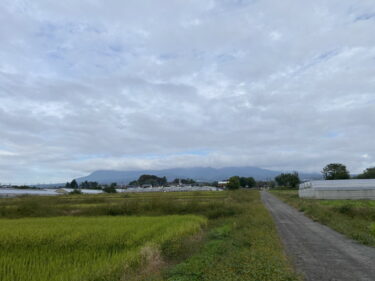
86,85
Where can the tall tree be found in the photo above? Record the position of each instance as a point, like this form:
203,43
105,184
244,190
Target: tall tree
335,171
288,180
74,184
369,173
152,179
234,183
247,182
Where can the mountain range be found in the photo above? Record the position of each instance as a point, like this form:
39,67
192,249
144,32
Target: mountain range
204,174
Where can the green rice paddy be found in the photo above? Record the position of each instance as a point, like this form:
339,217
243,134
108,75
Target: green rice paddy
83,248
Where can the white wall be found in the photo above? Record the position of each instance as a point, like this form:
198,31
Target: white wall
337,194
338,189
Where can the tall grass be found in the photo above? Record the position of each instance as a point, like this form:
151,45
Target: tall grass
122,204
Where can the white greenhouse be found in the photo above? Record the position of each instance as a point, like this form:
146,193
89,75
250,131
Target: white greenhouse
338,189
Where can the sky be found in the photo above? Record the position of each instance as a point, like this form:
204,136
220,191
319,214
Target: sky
136,84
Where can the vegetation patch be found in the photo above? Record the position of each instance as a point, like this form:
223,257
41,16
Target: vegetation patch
354,218
241,247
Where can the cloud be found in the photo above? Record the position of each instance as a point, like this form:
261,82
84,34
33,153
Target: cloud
86,86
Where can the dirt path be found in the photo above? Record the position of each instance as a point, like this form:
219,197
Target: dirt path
318,252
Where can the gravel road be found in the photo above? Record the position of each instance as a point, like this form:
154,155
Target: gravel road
318,252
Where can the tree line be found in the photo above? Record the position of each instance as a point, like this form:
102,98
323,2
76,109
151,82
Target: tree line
333,171
111,188
337,171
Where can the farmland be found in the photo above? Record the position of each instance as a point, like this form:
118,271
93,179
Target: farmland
354,218
76,248
153,236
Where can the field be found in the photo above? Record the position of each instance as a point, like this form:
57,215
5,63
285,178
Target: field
76,248
153,236
354,218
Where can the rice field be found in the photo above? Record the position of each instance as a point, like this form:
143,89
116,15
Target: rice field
84,248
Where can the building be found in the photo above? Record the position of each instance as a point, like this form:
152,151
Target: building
338,189
222,183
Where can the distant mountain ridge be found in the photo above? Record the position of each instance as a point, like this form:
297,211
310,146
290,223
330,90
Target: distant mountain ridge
196,173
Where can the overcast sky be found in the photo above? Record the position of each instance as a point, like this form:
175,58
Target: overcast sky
87,85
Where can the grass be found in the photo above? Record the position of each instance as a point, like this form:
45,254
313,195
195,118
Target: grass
354,218
201,203
153,236
243,247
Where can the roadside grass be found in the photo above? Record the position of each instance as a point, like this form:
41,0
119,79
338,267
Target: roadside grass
354,218
242,247
231,237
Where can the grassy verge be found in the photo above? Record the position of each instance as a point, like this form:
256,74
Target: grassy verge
242,247
354,218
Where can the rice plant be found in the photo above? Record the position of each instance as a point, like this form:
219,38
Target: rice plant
83,248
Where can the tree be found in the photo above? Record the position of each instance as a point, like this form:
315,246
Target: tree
234,183
335,171
74,184
89,185
369,173
247,182
134,183
94,185
290,180
151,179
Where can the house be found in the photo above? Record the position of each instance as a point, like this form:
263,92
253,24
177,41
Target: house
338,189
222,183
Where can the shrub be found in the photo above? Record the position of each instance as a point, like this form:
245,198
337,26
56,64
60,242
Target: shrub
75,191
110,189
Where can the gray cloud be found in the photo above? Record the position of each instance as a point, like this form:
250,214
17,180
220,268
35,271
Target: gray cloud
150,84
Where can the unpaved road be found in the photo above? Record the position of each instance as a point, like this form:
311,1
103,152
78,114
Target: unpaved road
318,252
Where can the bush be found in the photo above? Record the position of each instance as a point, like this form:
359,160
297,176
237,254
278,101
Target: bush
75,191
110,189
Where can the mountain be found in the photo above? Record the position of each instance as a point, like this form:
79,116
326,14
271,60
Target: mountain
196,173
